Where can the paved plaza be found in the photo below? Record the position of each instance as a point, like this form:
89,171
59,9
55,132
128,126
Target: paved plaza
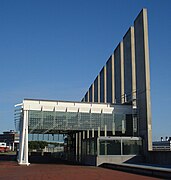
12,171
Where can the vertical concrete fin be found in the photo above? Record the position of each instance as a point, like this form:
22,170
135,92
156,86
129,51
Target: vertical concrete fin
119,73
92,88
103,85
96,90
110,79
129,64
98,80
86,97
122,71
133,63
113,79
143,77
90,94
105,91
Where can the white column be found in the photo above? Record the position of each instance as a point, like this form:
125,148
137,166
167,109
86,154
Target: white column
20,140
23,151
98,131
105,131
123,126
113,128
13,146
83,134
26,140
92,132
88,135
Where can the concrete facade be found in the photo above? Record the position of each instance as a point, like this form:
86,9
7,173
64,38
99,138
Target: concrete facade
126,77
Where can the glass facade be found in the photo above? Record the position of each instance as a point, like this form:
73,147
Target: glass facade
60,117
111,146
89,147
131,147
44,120
108,147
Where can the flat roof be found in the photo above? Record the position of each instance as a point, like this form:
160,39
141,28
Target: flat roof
111,104
63,101
72,106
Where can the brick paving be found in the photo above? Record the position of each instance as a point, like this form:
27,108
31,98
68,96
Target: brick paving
12,171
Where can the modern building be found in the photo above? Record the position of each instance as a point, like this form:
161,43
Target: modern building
113,121
87,125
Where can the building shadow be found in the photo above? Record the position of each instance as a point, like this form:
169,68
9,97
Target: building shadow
8,157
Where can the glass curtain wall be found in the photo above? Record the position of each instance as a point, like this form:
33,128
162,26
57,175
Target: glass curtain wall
111,146
89,147
44,120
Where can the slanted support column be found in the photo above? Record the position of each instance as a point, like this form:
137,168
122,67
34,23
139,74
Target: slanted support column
23,151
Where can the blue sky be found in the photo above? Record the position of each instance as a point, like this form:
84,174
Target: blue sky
55,49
